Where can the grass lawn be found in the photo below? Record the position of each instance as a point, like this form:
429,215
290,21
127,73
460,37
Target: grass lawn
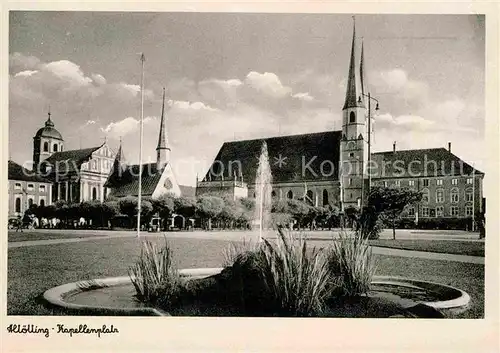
472,248
34,269
27,235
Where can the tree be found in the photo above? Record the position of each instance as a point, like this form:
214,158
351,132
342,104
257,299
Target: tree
390,202
230,212
299,210
128,206
164,205
209,207
109,210
185,206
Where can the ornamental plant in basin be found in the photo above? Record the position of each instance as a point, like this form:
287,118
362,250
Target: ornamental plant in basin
154,276
351,264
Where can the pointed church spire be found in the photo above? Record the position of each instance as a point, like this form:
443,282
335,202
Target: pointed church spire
162,150
352,94
116,171
362,69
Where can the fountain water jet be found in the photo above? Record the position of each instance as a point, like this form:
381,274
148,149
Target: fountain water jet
263,189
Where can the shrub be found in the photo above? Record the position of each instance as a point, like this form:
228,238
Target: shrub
350,262
297,280
231,252
154,276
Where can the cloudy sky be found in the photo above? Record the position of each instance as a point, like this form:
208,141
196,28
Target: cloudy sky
237,76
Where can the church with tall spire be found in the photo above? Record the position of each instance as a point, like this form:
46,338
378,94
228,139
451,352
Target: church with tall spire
156,178
331,167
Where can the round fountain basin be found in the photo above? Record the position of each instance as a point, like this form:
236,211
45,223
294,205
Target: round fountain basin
115,296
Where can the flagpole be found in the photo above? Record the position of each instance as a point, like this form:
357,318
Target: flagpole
139,195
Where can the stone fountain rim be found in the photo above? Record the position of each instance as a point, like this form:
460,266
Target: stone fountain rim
55,296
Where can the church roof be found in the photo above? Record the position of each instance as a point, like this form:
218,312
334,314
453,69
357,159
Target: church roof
127,184
419,163
69,161
187,191
294,158
18,172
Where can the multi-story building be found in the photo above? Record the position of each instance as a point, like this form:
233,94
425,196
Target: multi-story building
26,188
450,187
76,175
333,167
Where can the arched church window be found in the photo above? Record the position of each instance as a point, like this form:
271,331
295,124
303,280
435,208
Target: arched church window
289,194
54,148
352,117
325,197
46,147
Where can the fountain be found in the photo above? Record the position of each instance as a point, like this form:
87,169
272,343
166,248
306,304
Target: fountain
263,188
388,297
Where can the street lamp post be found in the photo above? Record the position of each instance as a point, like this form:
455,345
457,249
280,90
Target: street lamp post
370,98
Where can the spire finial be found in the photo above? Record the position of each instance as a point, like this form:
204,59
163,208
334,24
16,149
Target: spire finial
351,99
362,68
49,121
162,150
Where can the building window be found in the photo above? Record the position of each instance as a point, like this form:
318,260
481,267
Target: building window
439,182
273,193
351,154
425,182
440,196
54,148
454,211
350,181
468,195
468,210
42,202
454,181
439,211
289,194
41,188
30,202
411,211
397,183
325,197
411,182
352,117
61,148
17,186
469,180
94,193
18,204
46,147
425,211
385,183
454,196
425,195
30,187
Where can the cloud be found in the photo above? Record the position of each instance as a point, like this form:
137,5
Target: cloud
187,106
68,71
99,79
414,122
20,62
304,97
267,83
126,126
134,89
26,73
